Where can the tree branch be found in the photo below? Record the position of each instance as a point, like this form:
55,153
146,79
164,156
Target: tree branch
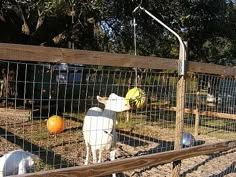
41,19
25,27
58,38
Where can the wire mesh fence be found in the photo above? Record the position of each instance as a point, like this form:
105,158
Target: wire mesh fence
32,92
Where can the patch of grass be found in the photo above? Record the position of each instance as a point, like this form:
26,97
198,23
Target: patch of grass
74,116
42,166
219,134
127,125
39,136
166,124
214,122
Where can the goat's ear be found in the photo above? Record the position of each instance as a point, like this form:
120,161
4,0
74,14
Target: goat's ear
102,100
113,96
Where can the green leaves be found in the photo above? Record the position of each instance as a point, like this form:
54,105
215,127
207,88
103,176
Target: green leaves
217,50
209,26
55,7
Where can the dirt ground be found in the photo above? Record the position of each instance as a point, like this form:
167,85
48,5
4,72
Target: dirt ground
67,148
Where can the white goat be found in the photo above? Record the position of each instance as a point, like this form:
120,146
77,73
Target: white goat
16,162
99,126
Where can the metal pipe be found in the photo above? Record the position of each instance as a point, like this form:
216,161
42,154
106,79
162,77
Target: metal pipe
135,52
136,9
169,29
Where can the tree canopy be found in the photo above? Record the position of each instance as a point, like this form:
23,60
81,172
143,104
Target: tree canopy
209,26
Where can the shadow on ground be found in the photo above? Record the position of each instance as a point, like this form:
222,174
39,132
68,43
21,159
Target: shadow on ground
228,170
47,156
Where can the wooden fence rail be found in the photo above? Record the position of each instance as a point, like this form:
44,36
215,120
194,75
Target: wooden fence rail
195,111
122,165
61,55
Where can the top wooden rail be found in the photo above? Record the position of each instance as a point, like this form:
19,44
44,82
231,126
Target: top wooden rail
62,55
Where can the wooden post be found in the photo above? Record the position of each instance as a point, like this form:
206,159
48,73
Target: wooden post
197,118
128,112
180,105
127,116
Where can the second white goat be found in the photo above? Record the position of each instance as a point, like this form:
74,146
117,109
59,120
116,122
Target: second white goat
16,162
99,126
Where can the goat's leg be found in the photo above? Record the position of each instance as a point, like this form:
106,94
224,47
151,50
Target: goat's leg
94,153
100,156
113,154
22,167
87,154
112,157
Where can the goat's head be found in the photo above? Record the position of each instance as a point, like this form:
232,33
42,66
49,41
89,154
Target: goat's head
114,103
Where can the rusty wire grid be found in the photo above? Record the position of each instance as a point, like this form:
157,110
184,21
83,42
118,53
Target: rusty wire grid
32,92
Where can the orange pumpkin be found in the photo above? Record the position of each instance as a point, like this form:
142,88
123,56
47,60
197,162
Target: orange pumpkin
55,124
